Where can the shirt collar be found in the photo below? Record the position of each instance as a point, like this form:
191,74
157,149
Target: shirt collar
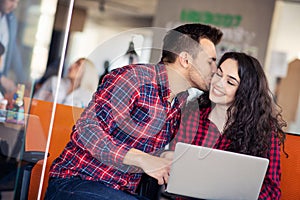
163,84
163,81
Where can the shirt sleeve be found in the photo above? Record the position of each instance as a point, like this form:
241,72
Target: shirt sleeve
123,114
271,186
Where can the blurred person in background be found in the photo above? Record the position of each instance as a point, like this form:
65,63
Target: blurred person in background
12,67
2,50
75,89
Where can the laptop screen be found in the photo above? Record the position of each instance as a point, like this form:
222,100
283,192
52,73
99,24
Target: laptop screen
207,173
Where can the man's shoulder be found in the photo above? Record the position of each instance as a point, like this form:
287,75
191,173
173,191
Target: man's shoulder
140,66
139,70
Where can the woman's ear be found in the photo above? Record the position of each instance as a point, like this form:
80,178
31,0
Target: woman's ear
184,59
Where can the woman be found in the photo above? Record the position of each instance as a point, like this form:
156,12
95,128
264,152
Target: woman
239,115
76,89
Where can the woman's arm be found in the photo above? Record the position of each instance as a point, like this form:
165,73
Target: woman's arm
271,186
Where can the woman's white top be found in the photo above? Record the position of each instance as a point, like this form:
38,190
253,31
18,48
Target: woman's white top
79,97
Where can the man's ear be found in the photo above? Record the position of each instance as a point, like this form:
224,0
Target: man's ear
184,59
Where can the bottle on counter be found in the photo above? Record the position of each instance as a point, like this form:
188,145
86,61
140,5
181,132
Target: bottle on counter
15,113
3,105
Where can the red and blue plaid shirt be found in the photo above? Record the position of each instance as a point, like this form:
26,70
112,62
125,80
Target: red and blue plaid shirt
130,109
196,128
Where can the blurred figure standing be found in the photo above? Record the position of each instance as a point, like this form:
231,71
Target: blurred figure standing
11,59
2,50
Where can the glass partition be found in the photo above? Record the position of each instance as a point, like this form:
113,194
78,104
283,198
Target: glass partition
26,36
34,36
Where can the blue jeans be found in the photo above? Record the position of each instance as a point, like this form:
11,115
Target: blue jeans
77,189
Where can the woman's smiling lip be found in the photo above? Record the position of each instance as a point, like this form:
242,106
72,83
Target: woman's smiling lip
217,92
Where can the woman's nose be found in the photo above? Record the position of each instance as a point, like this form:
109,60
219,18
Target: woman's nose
219,83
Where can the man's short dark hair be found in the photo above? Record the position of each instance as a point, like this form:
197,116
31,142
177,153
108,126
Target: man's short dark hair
186,38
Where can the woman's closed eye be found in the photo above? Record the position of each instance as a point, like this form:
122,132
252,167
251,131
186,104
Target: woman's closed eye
230,82
230,79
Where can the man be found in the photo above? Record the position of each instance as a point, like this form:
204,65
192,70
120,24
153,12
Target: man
133,115
11,58
2,50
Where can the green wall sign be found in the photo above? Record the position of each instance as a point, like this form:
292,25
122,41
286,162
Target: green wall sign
217,19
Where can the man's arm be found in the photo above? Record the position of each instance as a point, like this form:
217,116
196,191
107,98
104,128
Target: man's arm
120,118
7,84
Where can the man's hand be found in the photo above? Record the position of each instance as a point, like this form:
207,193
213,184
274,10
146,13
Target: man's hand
7,84
158,168
155,167
168,155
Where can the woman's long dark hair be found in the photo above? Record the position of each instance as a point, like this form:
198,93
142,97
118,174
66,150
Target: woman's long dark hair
253,115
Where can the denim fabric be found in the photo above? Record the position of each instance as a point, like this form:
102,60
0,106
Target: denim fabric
76,189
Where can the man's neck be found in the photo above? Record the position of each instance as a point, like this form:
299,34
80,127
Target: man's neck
177,80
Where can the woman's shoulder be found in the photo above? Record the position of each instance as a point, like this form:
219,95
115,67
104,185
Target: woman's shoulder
52,79
79,97
195,108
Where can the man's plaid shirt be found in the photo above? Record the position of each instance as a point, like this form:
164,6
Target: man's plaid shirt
130,109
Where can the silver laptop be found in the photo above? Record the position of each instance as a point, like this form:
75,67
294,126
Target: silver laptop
207,173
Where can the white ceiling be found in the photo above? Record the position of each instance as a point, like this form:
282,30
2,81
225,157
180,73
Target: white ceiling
133,13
